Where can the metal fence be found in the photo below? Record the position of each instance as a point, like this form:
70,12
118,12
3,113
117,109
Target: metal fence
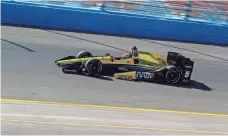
215,11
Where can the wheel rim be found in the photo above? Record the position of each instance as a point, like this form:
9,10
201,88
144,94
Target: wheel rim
173,76
94,68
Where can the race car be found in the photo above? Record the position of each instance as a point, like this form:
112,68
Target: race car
137,66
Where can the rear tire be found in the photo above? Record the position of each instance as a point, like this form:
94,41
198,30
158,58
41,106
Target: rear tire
84,54
173,76
93,67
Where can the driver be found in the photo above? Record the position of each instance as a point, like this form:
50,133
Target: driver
134,52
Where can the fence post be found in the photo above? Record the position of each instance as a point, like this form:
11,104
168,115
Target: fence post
188,9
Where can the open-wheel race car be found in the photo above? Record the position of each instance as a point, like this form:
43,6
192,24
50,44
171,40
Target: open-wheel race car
137,65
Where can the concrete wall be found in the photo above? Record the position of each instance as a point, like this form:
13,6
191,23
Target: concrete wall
34,15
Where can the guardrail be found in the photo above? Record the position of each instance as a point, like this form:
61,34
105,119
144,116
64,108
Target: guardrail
105,20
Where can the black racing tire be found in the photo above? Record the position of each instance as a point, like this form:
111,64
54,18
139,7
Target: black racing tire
93,67
173,76
84,54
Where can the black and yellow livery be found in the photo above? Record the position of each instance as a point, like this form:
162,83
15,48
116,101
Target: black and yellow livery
139,65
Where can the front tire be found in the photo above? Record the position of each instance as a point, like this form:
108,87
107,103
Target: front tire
84,54
93,67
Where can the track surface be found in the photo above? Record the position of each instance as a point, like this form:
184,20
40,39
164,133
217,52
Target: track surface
29,72
39,118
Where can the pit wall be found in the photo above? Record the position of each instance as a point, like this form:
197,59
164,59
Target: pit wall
101,22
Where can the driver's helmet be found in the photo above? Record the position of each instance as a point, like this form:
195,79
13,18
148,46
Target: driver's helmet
134,51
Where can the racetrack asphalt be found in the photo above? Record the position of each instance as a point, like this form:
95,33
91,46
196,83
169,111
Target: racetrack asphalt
29,72
36,118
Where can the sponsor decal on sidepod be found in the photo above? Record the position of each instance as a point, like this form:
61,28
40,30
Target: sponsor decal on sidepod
144,75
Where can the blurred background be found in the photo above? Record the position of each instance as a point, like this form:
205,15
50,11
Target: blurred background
210,11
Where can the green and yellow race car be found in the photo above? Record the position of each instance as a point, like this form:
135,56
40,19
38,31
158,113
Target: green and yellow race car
137,65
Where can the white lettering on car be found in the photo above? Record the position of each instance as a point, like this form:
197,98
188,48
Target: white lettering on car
69,70
187,74
145,75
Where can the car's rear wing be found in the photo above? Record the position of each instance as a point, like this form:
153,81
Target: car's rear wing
178,60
